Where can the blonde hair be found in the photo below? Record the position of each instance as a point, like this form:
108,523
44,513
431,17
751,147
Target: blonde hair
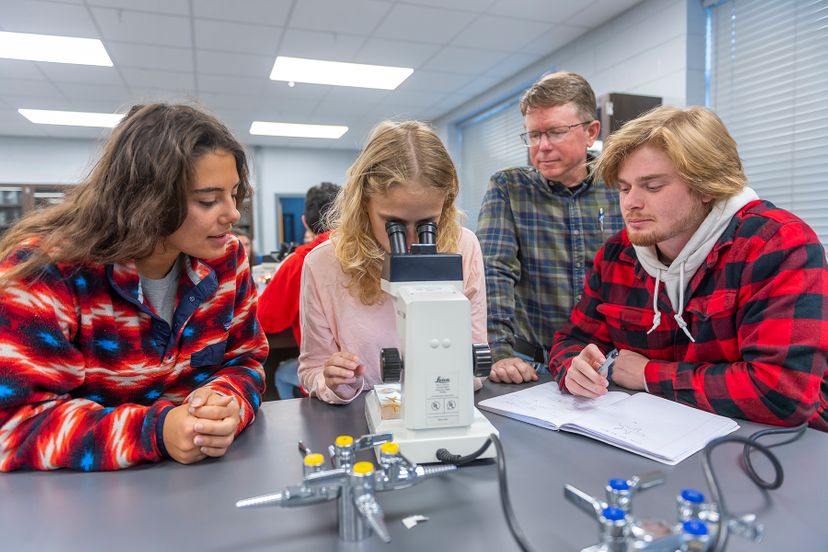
560,88
696,141
397,153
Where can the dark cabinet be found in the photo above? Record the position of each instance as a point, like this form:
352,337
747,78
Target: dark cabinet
615,109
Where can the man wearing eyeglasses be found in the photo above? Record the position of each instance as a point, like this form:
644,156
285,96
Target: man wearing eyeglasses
540,226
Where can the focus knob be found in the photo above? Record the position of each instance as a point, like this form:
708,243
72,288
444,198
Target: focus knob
391,365
481,359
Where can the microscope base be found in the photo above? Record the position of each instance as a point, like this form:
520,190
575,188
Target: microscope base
420,445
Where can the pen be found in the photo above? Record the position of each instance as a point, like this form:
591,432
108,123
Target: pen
601,218
606,367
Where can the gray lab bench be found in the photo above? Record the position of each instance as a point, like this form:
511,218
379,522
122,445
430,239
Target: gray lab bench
169,506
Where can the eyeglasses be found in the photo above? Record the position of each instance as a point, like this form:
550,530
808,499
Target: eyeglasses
555,134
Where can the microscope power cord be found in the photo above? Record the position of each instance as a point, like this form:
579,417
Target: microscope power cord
750,443
446,457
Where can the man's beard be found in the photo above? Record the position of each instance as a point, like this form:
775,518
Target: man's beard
692,219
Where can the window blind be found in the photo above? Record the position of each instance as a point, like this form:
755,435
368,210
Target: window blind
768,83
490,142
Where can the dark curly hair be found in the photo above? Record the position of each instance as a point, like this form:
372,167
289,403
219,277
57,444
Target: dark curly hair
134,196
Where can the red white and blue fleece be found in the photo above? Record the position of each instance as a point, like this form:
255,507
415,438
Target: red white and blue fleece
88,372
757,309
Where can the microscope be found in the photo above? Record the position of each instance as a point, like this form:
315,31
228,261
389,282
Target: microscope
437,362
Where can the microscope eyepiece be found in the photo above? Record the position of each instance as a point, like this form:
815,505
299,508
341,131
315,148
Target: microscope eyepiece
396,236
427,233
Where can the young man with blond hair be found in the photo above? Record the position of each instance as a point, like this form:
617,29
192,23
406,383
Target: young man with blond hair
713,297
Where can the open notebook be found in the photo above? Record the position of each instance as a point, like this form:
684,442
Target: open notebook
653,427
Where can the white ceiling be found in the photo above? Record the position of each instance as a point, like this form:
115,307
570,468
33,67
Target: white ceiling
221,52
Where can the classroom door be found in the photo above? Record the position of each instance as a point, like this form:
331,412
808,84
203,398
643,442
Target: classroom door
290,223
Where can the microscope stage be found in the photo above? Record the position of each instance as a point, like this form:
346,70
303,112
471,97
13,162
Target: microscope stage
420,445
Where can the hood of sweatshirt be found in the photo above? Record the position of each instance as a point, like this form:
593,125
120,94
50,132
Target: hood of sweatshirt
675,276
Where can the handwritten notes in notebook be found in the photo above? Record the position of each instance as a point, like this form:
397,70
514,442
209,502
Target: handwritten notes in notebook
645,424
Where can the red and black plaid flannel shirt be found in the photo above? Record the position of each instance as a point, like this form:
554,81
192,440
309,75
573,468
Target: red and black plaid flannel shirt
757,308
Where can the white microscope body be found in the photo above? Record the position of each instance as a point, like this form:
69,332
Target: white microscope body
433,319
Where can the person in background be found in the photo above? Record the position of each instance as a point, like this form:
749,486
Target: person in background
279,302
540,226
713,297
129,323
247,245
403,174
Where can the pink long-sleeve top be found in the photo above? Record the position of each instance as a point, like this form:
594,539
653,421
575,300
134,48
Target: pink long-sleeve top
333,319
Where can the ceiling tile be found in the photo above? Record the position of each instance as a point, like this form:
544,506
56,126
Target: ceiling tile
243,86
91,133
280,89
66,72
218,100
165,80
608,10
17,125
282,109
17,69
348,94
500,33
469,61
170,7
398,53
236,37
551,11
423,24
412,99
143,28
338,113
221,63
551,40
23,88
512,64
150,94
114,96
476,6
478,86
435,81
143,56
264,12
360,17
320,45
47,18
220,53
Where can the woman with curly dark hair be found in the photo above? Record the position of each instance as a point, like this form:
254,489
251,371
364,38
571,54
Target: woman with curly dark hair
130,329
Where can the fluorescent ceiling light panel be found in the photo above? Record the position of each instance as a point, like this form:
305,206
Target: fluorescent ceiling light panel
337,73
264,128
58,49
71,118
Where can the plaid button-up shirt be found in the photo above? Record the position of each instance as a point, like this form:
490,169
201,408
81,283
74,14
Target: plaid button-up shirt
538,239
757,308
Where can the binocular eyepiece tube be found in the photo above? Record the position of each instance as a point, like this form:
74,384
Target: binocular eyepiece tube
426,235
396,236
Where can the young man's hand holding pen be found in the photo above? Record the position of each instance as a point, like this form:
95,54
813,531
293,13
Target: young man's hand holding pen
591,371
583,377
